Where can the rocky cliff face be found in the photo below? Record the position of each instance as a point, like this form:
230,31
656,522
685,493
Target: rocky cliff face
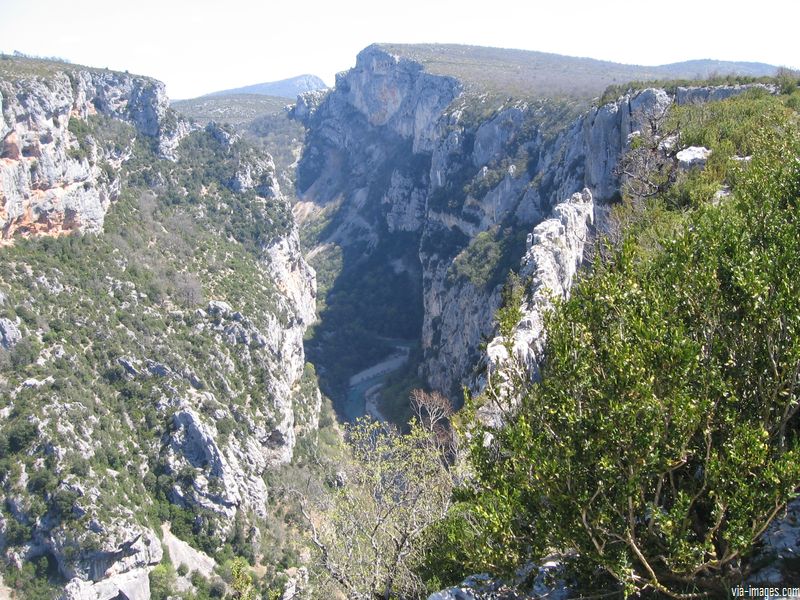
153,372
547,271
395,149
55,177
465,174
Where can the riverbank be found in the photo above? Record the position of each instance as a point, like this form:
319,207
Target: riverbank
364,391
371,398
394,362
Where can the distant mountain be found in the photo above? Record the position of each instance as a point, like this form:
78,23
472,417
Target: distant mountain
525,73
285,88
704,68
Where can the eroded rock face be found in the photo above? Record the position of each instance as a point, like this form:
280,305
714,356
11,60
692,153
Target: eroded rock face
133,585
10,334
547,271
395,149
52,182
701,94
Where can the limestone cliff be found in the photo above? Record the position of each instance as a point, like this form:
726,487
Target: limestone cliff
547,271
394,149
152,372
55,177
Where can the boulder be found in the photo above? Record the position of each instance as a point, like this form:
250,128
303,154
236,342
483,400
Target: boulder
693,157
10,335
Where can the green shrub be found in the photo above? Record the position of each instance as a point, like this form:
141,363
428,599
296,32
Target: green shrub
663,437
162,581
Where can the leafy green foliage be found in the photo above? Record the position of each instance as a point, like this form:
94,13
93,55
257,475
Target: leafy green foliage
489,256
34,581
663,436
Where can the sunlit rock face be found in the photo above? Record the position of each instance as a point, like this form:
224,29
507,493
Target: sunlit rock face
54,179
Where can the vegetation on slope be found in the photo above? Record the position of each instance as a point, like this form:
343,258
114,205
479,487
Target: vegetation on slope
113,333
20,66
526,74
262,120
236,110
663,436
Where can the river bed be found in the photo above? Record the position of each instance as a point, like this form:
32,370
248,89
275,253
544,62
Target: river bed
371,379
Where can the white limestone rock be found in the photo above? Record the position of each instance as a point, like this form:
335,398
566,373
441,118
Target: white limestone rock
702,94
693,157
10,335
48,189
551,262
132,585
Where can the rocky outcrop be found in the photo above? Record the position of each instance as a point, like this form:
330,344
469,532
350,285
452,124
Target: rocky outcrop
701,94
228,469
56,176
693,157
227,473
9,333
396,149
555,252
530,582
120,567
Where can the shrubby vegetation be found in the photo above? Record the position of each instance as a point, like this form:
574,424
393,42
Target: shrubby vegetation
366,521
89,305
663,436
527,74
489,256
786,80
262,120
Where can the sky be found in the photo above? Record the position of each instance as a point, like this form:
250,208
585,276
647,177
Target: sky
200,46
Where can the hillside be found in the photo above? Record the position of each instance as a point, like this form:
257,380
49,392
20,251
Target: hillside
285,88
18,66
237,110
152,309
262,120
525,74
443,213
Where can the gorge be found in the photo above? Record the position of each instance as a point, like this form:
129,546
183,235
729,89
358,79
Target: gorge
171,310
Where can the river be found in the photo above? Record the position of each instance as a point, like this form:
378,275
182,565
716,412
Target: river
373,377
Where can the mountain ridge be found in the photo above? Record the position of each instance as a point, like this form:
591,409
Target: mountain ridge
284,88
515,71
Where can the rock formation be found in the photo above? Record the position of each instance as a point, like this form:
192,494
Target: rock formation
548,269
148,379
399,150
55,177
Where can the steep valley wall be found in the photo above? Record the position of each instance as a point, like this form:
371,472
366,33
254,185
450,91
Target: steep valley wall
467,176
156,360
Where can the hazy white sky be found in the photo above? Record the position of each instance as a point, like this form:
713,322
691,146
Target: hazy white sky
201,46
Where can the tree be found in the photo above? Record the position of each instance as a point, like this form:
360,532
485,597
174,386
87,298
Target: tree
648,167
242,580
663,437
368,524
